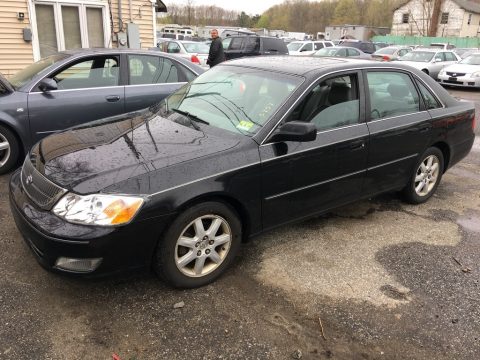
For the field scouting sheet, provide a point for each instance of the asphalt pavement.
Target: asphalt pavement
(378, 279)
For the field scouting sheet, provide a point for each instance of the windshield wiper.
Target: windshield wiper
(191, 117)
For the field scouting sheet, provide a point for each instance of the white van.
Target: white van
(307, 47)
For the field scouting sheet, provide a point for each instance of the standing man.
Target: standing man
(215, 55)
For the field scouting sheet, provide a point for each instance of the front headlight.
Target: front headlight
(475, 74)
(442, 72)
(98, 209)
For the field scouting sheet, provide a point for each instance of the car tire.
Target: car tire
(199, 246)
(9, 150)
(426, 177)
(426, 71)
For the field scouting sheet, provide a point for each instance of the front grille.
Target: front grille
(42, 191)
(453, 82)
(453, 74)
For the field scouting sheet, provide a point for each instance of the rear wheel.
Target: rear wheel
(427, 176)
(9, 150)
(199, 245)
(425, 71)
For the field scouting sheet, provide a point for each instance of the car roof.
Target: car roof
(308, 65)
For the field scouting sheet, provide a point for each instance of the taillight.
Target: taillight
(195, 59)
(386, 58)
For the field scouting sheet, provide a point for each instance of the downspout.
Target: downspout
(120, 21)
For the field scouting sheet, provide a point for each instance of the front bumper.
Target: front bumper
(462, 81)
(122, 248)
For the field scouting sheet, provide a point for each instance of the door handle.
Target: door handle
(112, 98)
(357, 145)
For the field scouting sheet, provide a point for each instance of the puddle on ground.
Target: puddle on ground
(470, 221)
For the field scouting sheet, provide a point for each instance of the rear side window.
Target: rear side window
(251, 44)
(352, 52)
(318, 46)
(145, 69)
(327, 44)
(430, 101)
(450, 57)
(274, 45)
(236, 44)
(391, 94)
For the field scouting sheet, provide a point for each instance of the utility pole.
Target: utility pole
(432, 29)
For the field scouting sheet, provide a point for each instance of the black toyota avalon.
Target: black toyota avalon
(247, 146)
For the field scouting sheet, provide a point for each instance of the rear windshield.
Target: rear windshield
(386, 51)
(199, 48)
(24, 76)
(294, 46)
(420, 56)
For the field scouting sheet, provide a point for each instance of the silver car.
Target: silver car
(430, 61)
(196, 52)
(464, 73)
(342, 51)
(390, 53)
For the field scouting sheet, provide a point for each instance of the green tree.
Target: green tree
(346, 12)
(263, 22)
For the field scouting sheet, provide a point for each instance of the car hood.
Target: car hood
(92, 158)
(6, 84)
(462, 68)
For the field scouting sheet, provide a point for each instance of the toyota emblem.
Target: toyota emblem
(29, 179)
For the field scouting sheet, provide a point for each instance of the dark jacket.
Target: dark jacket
(216, 54)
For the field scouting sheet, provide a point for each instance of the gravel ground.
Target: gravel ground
(377, 279)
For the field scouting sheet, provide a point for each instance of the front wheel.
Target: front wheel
(9, 150)
(427, 176)
(199, 246)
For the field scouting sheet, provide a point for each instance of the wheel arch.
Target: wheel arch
(445, 149)
(15, 132)
(227, 199)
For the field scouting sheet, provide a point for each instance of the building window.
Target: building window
(469, 19)
(62, 25)
(444, 19)
(405, 18)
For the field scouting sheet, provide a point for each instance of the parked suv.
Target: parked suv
(307, 47)
(366, 46)
(252, 45)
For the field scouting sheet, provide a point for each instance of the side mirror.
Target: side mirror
(295, 131)
(47, 85)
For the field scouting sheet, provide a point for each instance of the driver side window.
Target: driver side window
(330, 104)
(97, 72)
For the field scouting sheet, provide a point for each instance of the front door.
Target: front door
(88, 89)
(301, 178)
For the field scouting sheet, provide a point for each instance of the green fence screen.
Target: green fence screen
(472, 42)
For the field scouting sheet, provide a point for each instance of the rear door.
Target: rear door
(88, 89)
(151, 78)
(400, 129)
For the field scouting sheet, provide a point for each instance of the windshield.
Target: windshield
(420, 56)
(386, 51)
(294, 46)
(27, 74)
(326, 52)
(236, 99)
(471, 60)
(198, 48)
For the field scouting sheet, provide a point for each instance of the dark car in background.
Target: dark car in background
(252, 45)
(75, 87)
(366, 46)
(248, 146)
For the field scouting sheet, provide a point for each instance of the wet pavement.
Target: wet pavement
(378, 279)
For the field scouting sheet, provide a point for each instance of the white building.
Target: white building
(458, 18)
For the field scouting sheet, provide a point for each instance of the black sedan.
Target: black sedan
(74, 87)
(249, 145)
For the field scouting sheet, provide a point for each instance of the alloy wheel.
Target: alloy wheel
(4, 150)
(427, 175)
(203, 245)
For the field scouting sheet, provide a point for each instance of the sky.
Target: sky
(251, 7)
